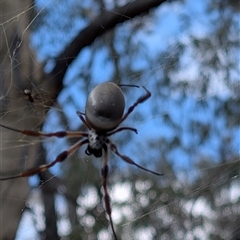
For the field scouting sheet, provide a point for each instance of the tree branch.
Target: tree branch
(104, 22)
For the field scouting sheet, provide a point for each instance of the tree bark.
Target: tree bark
(19, 66)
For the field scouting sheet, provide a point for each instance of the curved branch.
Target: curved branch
(104, 22)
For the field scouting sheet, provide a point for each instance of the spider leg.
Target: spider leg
(80, 114)
(139, 100)
(122, 129)
(128, 159)
(60, 158)
(104, 183)
(58, 134)
(128, 85)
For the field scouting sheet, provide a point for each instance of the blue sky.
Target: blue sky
(162, 33)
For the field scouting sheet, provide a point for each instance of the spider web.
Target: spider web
(179, 128)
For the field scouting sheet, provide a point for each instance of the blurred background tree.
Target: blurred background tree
(187, 55)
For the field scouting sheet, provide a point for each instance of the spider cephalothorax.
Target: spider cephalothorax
(96, 141)
(104, 113)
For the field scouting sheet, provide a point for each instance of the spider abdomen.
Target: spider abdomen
(105, 106)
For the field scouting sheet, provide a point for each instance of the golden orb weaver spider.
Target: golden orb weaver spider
(103, 115)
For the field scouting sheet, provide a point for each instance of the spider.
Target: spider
(29, 95)
(104, 112)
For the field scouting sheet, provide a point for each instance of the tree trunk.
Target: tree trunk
(18, 66)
